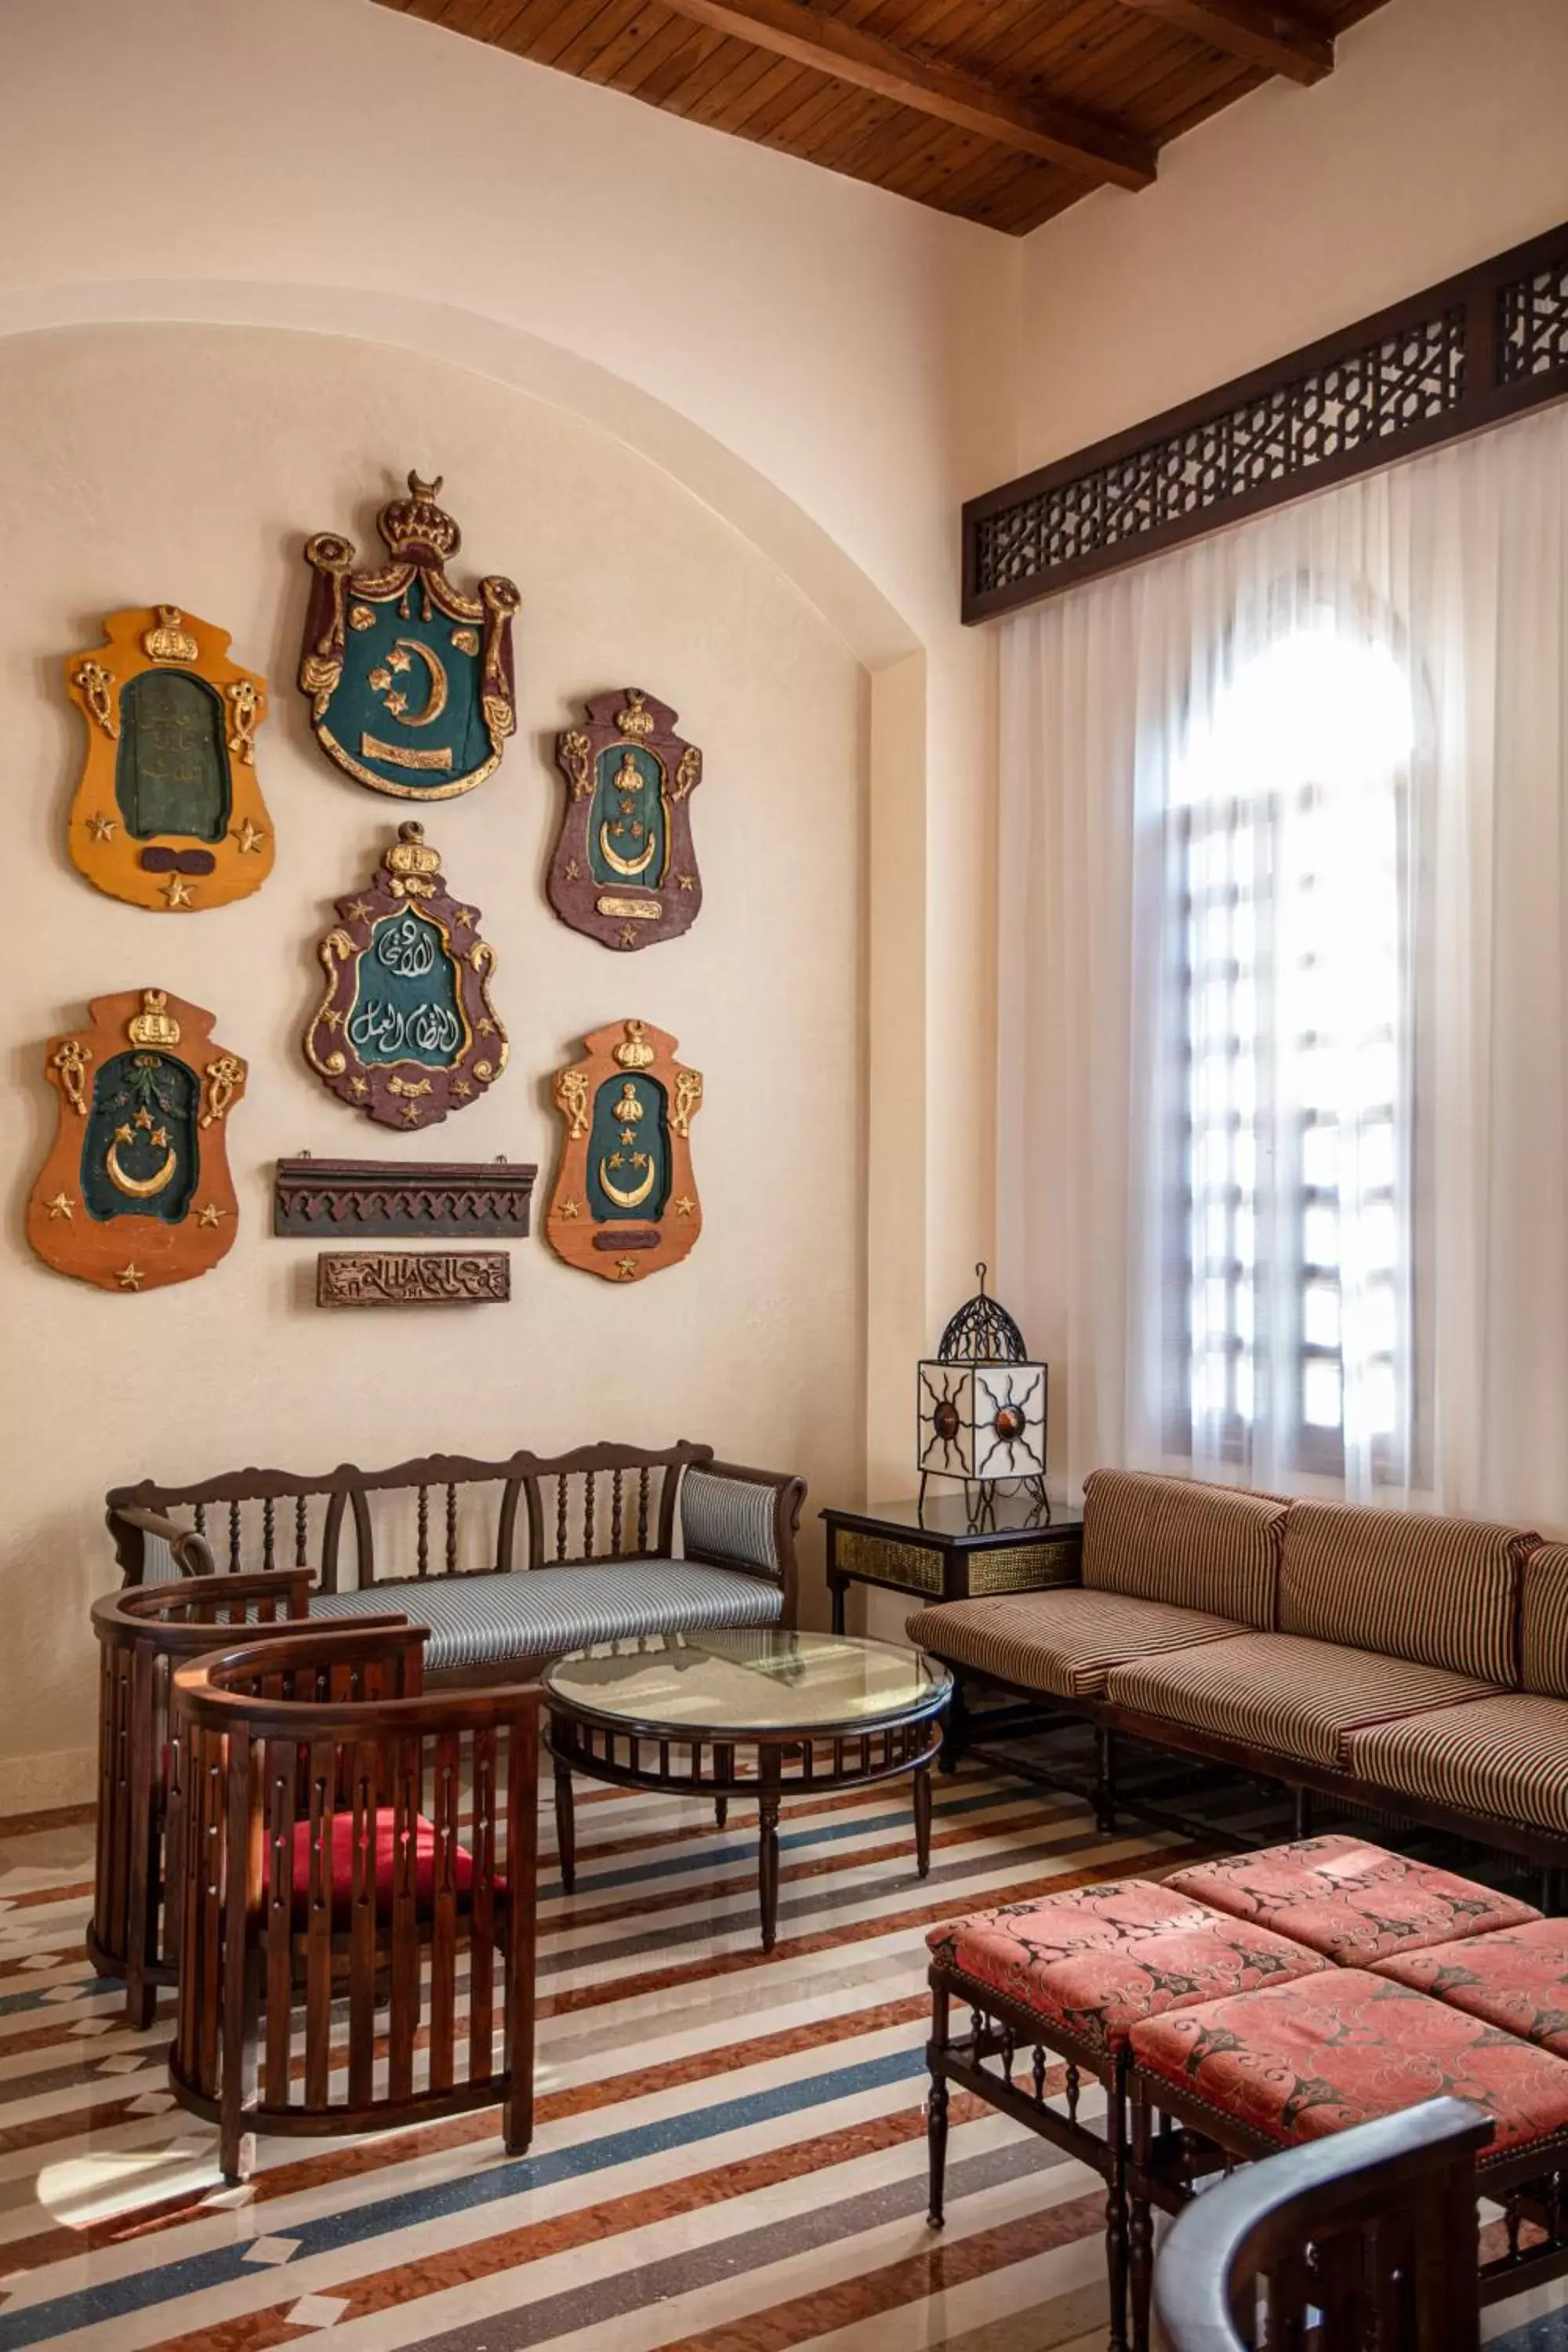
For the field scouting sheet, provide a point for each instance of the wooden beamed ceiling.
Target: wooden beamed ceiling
(1005, 112)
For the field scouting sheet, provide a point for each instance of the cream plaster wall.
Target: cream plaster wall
(826, 365)
(184, 463)
(822, 366)
(1439, 141)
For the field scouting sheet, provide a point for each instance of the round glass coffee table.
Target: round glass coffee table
(690, 1713)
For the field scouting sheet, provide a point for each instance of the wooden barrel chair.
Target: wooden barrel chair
(357, 1856)
(141, 1634)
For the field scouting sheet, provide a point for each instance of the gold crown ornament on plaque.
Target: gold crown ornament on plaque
(405, 1030)
(168, 811)
(626, 1203)
(410, 680)
(136, 1191)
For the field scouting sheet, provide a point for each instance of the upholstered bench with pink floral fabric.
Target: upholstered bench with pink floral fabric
(1058, 1989)
(1407, 1663)
(1236, 2079)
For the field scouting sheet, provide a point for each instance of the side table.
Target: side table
(934, 1554)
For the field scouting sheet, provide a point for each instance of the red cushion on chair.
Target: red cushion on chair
(1298, 2062)
(383, 1850)
(1353, 1901)
(1516, 1980)
(1095, 1961)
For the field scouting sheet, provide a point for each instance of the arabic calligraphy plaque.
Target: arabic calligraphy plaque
(136, 1191)
(410, 680)
(413, 1278)
(624, 870)
(625, 1202)
(405, 1030)
(168, 811)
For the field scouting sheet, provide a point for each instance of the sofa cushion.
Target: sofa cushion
(1170, 1539)
(1443, 1592)
(1543, 1663)
(1063, 1640)
(1298, 2062)
(1094, 1972)
(1354, 1902)
(1506, 1757)
(1516, 1981)
(541, 1612)
(1274, 1691)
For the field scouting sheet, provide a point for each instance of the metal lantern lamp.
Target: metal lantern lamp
(982, 1411)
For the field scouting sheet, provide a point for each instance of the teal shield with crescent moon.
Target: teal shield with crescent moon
(405, 1005)
(627, 833)
(139, 1156)
(408, 707)
(628, 1151)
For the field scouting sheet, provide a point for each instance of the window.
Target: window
(1290, 1097)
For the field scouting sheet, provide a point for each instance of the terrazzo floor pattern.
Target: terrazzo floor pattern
(730, 2153)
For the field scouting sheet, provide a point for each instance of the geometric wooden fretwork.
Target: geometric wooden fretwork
(328, 1199)
(1471, 352)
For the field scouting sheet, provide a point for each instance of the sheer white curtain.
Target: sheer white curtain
(1283, 1085)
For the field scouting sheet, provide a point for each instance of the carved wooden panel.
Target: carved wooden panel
(626, 1202)
(413, 1278)
(624, 869)
(1468, 353)
(168, 811)
(405, 1030)
(410, 680)
(314, 1198)
(136, 1192)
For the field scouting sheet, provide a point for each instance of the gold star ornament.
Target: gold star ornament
(101, 827)
(249, 837)
(211, 1215)
(178, 891)
(131, 1277)
(62, 1206)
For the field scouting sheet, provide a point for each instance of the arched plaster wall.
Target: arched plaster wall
(821, 364)
(758, 1340)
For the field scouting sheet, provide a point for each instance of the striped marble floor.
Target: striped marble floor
(730, 2155)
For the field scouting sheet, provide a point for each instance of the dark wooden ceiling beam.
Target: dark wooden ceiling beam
(1098, 150)
(1260, 35)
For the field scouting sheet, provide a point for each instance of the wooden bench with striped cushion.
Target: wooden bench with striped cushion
(508, 1563)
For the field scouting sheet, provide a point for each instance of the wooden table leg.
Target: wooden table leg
(768, 1767)
(566, 1826)
(922, 1817)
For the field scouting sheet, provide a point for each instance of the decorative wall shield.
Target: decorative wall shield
(136, 1191)
(410, 681)
(168, 813)
(625, 1202)
(406, 1030)
(623, 868)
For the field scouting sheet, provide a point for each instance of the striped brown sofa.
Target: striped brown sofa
(1414, 1666)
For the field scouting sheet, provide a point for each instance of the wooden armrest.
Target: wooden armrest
(131, 1525)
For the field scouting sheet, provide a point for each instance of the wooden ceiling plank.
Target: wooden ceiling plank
(755, 115)
(541, 27)
(592, 55)
(708, 81)
(1099, 151)
(730, 96)
(665, 60)
(1262, 35)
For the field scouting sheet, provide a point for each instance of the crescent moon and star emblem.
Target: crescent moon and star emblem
(639, 1192)
(404, 653)
(141, 1187)
(627, 865)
